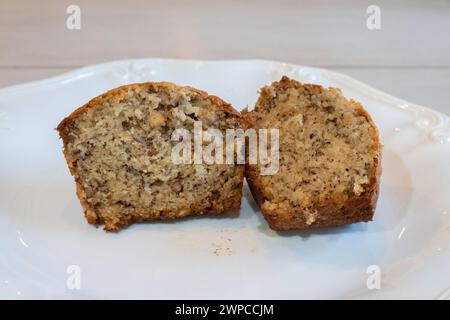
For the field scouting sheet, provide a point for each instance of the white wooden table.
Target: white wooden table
(408, 57)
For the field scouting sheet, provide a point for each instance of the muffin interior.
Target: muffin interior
(120, 154)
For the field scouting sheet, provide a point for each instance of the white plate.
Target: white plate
(43, 231)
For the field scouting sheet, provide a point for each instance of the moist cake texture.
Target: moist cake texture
(330, 157)
(118, 148)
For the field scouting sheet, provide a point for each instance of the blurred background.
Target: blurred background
(407, 54)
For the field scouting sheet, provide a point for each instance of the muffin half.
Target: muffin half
(330, 157)
(119, 148)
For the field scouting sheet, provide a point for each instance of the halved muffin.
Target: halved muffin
(330, 157)
(119, 148)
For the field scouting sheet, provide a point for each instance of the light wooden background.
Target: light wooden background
(409, 57)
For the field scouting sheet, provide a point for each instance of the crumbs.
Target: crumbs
(223, 246)
(218, 243)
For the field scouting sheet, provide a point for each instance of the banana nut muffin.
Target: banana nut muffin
(330, 157)
(118, 148)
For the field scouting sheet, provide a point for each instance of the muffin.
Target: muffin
(119, 148)
(329, 157)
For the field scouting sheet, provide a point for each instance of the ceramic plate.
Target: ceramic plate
(47, 250)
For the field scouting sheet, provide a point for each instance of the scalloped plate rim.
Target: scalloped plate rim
(79, 72)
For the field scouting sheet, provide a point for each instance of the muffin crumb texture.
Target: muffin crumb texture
(118, 148)
(330, 157)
